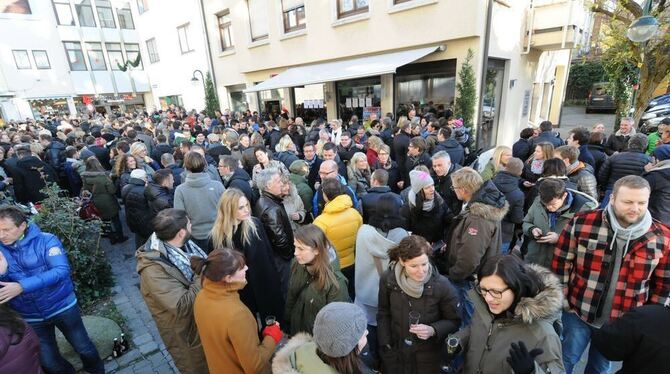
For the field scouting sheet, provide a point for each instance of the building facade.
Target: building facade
(174, 41)
(337, 58)
(69, 56)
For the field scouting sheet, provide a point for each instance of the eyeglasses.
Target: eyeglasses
(496, 294)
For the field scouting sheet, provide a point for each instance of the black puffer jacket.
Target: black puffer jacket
(521, 149)
(270, 211)
(659, 180)
(617, 143)
(429, 224)
(508, 184)
(620, 165)
(453, 148)
(158, 197)
(29, 178)
(54, 155)
(598, 152)
(159, 150)
(242, 181)
(413, 161)
(438, 307)
(138, 214)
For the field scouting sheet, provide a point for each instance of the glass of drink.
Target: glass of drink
(414, 317)
(270, 320)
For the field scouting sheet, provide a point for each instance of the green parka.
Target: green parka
(103, 190)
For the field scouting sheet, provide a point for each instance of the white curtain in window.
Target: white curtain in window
(258, 18)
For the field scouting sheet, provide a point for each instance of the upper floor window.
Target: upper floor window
(96, 58)
(125, 17)
(105, 14)
(84, 13)
(258, 19)
(75, 56)
(293, 15)
(115, 55)
(21, 59)
(142, 6)
(63, 12)
(225, 33)
(41, 59)
(153, 51)
(182, 32)
(346, 8)
(133, 54)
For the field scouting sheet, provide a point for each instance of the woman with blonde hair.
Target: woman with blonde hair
(315, 279)
(374, 143)
(286, 151)
(533, 168)
(358, 174)
(501, 155)
(139, 150)
(236, 228)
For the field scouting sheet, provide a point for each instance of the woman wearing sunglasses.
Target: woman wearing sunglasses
(512, 328)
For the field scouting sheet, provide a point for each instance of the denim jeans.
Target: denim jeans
(467, 308)
(606, 199)
(70, 324)
(576, 336)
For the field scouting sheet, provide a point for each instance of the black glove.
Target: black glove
(522, 361)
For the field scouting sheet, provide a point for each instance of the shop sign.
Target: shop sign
(368, 110)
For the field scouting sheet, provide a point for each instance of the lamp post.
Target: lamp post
(195, 79)
(640, 31)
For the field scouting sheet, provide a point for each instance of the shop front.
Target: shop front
(166, 101)
(426, 87)
(104, 104)
(359, 97)
(310, 102)
(42, 108)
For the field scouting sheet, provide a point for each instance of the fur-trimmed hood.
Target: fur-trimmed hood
(287, 362)
(545, 305)
(489, 203)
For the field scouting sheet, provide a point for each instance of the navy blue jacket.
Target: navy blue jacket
(370, 200)
(521, 149)
(453, 148)
(545, 136)
(241, 180)
(38, 262)
(586, 156)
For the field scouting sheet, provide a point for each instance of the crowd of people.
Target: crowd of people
(385, 245)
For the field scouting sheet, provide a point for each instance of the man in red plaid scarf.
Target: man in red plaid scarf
(610, 261)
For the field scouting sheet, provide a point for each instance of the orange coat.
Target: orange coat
(229, 332)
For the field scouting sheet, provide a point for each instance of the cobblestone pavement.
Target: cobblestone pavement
(148, 354)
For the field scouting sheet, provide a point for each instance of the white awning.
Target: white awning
(343, 69)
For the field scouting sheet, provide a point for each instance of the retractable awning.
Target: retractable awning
(343, 69)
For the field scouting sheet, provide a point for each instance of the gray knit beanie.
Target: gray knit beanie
(419, 179)
(338, 327)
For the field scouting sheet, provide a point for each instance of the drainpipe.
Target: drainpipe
(210, 61)
(485, 60)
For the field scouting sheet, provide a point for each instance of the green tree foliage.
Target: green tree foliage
(467, 91)
(623, 57)
(91, 272)
(211, 98)
(582, 77)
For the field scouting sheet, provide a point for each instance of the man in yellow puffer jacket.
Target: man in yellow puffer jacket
(340, 222)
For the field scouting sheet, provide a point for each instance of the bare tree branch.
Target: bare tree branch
(616, 16)
(634, 8)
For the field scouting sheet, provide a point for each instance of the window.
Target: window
(115, 55)
(84, 13)
(133, 54)
(182, 31)
(96, 57)
(125, 17)
(293, 14)
(346, 8)
(105, 14)
(63, 12)
(153, 51)
(142, 6)
(21, 59)
(258, 19)
(41, 60)
(400, 1)
(75, 56)
(225, 34)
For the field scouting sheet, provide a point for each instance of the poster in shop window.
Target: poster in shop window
(371, 110)
(354, 102)
(348, 102)
(368, 101)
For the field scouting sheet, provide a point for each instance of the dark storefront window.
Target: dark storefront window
(427, 87)
(488, 131)
(360, 97)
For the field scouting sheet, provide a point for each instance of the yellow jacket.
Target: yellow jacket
(229, 332)
(341, 222)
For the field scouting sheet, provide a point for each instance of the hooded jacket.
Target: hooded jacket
(453, 148)
(54, 155)
(659, 200)
(475, 233)
(199, 196)
(599, 156)
(104, 193)
(486, 342)
(38, 262)
(584, 178)
(138, 212)
(241, 180)
(370, 200)
(29, 178)
(158, 198)
(508, 184)
(170, 298)
(20, 356)
(538, 217)
(372, 259)
(340, 222)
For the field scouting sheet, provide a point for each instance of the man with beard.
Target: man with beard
(610, 261)
(169, 287)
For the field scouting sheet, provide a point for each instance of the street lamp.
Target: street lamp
(642, 29)
(195, 79)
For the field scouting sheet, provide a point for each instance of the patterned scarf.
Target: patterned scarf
(179, 257)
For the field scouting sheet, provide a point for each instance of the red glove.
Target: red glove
(274, 332)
